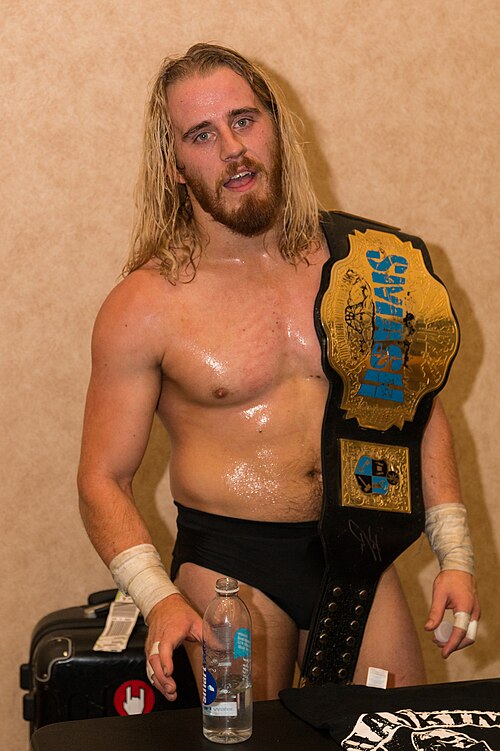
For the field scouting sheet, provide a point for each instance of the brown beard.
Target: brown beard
(254, 215)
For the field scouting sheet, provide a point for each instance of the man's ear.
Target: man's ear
(179, 175)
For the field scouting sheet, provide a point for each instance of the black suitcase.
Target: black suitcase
(66, 680)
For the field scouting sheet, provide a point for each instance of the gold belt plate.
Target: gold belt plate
(390, 329)
(375, 476)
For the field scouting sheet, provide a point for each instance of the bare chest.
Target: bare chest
(236, 340)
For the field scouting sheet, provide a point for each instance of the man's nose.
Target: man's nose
(231, 145)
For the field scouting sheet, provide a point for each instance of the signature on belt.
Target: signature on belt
(366, 539)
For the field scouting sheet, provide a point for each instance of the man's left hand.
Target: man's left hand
(456, 591)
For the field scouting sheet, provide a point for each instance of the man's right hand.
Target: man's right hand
(170, 622)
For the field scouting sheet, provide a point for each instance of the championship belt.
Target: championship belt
(388, 336)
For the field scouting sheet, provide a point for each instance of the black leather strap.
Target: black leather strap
(359, 543)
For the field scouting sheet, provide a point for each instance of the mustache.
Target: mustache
(238, 166)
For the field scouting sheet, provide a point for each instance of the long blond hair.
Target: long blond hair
(164, 227)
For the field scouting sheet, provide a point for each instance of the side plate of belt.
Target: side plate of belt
(388, 336)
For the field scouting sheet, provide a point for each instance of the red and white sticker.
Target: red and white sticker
(134, 697)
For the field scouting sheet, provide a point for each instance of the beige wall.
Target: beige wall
(398, 103)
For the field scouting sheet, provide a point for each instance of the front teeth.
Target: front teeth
(240, 174)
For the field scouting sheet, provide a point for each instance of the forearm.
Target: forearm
(446, 517)
(122, 539)
(110, 516)
(440, 481)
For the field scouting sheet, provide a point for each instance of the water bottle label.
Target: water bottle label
(209, 687)
(222, 709)
(242, 643)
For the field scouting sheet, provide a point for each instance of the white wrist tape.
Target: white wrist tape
(139, 572)
(448, 533)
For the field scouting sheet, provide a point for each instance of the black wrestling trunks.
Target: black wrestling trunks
(284, 560)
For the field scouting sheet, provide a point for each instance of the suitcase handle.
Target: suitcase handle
(103, 596)
(99, 603)
(95, 611)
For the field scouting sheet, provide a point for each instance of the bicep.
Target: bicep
(123, 393)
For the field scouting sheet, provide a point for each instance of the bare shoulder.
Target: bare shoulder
(141, 290)
(132, 316)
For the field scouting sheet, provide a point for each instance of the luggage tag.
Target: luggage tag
(120, 623)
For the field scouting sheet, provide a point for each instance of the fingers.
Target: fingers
(453, 590)
(471, 632)
(436, 613)
(160, 672)
(456, 641)
(170, 622)
(452, 637)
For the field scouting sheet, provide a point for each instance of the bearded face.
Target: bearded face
(257, 211)
(227, 151)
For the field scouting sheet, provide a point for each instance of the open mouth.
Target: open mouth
(241, 180)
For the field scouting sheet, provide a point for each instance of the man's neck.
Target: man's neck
(221, 243)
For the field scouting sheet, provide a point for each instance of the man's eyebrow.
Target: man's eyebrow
(231, 114)
(244, 111)
(199, 126)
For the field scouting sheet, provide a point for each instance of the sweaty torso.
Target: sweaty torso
(243, 391)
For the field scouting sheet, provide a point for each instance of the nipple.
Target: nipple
(220, 393)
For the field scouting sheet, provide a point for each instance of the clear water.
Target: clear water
(229, 718)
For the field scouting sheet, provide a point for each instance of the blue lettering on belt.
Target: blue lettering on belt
(383, 379)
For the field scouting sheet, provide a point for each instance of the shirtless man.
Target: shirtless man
(212, 328)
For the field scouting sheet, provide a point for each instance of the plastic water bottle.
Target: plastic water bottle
(227, 666)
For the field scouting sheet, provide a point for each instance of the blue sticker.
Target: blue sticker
(242, 643)
(209, 687)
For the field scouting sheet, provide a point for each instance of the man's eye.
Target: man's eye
(242, 122)
(202, 137)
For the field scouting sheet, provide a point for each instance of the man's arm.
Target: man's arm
(453, 588)
(123, 393)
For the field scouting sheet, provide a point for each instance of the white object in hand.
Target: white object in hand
(443, 631)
